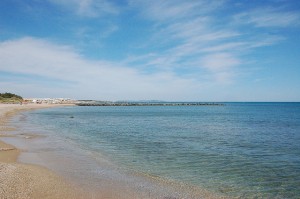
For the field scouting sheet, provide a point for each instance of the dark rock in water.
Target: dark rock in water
(72, 117)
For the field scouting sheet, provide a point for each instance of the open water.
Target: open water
(247, 150)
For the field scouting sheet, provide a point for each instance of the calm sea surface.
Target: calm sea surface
(241, 149)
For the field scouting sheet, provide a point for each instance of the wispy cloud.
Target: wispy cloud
(172, 10)
(187, 30)
(268, 17)
(220, 62)
(109, 30)
(30, 56)
(221, 65)
(190, 34)
(88, 8)
(86, 36)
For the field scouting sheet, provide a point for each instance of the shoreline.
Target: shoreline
(19, 180)
(26, 180)
(67, 188)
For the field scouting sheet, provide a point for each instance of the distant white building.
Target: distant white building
(49, 100)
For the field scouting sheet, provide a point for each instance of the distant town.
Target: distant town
(10, 98)
(111, 103)
(49, 101)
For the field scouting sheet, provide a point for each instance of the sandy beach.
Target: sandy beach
(21, 181)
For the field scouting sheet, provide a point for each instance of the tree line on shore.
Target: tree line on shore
(10, 98)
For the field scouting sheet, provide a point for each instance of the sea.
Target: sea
(238, 150)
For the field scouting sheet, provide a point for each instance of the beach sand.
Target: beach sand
(22, 181)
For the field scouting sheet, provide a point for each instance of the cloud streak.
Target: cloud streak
(173, 10)
(268, 17)
(88, 8)
(190, 35)
(90, 79)
(188, 30)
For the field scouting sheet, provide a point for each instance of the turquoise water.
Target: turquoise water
(245, 150)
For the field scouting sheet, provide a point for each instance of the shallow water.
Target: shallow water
(239, 150)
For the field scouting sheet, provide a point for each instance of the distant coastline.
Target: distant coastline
(107, 103)
(115, 103)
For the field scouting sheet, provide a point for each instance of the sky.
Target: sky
(172, 50)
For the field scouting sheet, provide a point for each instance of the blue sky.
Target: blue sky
(175, 50)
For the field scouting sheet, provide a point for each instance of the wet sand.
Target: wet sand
(22, 181)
